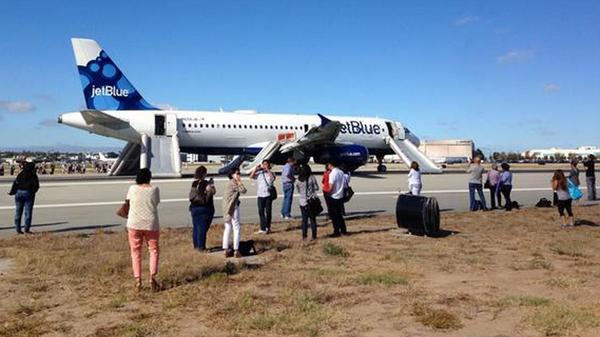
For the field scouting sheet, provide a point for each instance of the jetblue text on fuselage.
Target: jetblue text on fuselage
(109, 91)
(356, 127)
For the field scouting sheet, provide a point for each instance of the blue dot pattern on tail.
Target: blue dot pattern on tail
(106, 88)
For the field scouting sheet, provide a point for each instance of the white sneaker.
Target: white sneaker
(260, 231)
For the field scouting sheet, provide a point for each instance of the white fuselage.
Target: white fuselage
(238, 132)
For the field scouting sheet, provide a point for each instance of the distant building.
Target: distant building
(555, 153)
(443, 151)
(448, 150)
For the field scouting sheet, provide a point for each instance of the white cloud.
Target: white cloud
(17, 106)
(516, 56)
(551, 87)
(465, 20)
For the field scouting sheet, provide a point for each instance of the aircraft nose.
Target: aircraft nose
(59, 119)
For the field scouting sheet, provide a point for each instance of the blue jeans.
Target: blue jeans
(23, 202)
(201, 220)
(479, 188)
(305, 219)
(288, 195)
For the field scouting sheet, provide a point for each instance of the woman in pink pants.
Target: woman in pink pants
(142, 224)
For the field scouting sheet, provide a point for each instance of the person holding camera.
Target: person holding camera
(307, 187)
(265, 193)
(231, 212)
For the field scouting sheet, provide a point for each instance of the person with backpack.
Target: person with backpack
(231, 212)
(307, 187)
(24, 188)
(202, 207)
(564, 202)
(505, 186)
(414, 179)
(590, 176)
(143, 224)
(265, 193)
(337, 185)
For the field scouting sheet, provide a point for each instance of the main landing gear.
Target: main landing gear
(380, 168)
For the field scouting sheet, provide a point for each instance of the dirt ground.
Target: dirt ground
(490, 274)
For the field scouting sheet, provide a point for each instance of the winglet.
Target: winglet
(324, 120)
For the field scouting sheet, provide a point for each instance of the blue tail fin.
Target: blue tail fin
(104, 85)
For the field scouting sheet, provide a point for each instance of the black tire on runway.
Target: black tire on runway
(420, 215)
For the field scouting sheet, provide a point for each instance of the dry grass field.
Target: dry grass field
(499, 274)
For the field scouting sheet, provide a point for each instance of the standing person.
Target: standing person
(287, 181)
(414, 179)
(202, 207)
(1, 168)
(476, 172)
(12, 169)
(590, 177)
(336, 201)
(560, 187)
(264, 180)
(574, 173)
(505, 185)
(231, 212)
(307, 187)
(143, 224)
(492, 181)
(24, 188)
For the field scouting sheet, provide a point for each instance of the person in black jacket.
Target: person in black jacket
(590, 177)
(24, 189)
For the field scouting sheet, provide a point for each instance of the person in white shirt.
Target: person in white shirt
(337, 184)
(264, 181)
(414, 179)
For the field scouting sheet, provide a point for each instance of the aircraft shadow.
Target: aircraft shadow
(37, 225)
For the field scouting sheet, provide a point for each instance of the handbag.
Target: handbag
(314, 204)
(348, 193)
(574, 191)
(487, 184)
(123, 211)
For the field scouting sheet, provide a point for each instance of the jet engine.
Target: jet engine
(347, 156)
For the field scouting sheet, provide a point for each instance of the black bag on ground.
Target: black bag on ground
(515, 205)
(247, 248)
(544, 203)
(418, 214)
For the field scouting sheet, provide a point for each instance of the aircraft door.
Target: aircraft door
(171, 124)
(159, 125)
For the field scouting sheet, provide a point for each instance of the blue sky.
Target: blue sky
(509, 74)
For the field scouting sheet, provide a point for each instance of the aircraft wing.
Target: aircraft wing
(98, 117)
(324, 134)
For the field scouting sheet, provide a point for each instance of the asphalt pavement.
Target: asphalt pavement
(84, 205)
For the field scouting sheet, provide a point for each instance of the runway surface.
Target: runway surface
(88, 205)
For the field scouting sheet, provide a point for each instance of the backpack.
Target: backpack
(544, 203)
(198, 195)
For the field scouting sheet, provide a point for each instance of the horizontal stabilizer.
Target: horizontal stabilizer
(101, 118)
(409, 153)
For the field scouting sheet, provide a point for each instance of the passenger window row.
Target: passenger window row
(239, 126)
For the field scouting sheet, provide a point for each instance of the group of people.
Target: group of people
(143, 198)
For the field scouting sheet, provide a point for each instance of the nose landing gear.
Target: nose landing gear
(380, 168)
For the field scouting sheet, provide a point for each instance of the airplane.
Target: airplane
(155, 138)
(106, 160)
